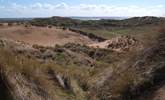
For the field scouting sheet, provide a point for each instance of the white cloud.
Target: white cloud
(61, 6)
(63, 9)
(47, 6)
(36, 6)
(87, 7)
(160, 6)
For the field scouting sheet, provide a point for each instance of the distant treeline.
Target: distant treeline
(68, 22)
(15, 20)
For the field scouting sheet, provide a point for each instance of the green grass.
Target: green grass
(113, 32)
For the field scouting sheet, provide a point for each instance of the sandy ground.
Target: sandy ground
(159, 94)
(42, 35)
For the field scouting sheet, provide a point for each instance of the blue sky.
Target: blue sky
(46, 8)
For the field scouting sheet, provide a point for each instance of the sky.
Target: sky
(85, 8)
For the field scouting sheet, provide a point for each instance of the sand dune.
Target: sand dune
(42, 35)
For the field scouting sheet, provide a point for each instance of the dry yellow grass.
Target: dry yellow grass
(42, 35)
(35, 70)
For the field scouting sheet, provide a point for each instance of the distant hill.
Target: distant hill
(98, 18)
(14, 19)
(76, 22)
(55, 21)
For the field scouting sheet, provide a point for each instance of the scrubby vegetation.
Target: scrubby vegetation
(104, 28)
(36, 72)
(82, 72)
(68, 22)
(71, 66)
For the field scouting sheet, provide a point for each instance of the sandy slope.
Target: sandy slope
(159, 94)
(42, 36)
(121, 43)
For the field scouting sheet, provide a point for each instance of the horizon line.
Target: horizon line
(82, 16)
